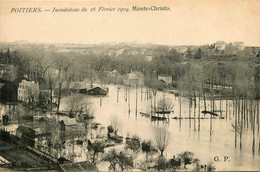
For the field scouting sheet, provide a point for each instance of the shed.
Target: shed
(97, 91)
(26, 132)
(27, 135)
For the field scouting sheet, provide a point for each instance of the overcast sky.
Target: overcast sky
(190, 22)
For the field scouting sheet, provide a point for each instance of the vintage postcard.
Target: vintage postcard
(130, 85)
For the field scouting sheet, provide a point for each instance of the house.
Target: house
(75, 87)
(220, 45)
(166, 78)
(134, 79)
(8, 91)
(26, 134)
(68, 123)
(24, 131)
(149, 58)
(239, 45)
(95, 91)
(28, 91)
(112, 76)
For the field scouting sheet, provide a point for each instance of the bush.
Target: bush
(133, 144)
(110, 129)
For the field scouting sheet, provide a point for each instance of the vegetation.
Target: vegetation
(133, 143)
(118, 160)
(162, 139)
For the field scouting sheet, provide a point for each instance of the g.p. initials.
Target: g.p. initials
(224, 158)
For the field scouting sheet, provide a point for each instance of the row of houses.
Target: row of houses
(221, 45)
(29, 91)
(135, 78)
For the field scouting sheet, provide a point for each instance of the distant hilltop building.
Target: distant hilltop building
(181, 49)
(239, 45)
(28, 91)
(149, 58)
(220, 45)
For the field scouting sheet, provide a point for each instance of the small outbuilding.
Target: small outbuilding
(26, 134)
(96, 91)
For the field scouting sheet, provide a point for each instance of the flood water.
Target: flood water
(183, 135)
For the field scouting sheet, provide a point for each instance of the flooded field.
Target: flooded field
(184, 134)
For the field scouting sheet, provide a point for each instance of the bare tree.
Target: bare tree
(162, 138)
(33, 93)
(51, 80)
(63, 65)
(96, 147)
(165, 105)
(111, 157)
(79, 108)
(115, 124)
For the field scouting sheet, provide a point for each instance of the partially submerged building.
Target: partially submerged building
(134, 79)
(165, 78)
(28, 91)
(95, 91)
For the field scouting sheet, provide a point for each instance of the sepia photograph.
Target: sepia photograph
(126, 85)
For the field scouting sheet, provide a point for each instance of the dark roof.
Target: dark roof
(164, 75)
(25, 130)
(78, 166)
(94, 88)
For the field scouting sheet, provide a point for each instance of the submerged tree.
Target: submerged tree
(165, 105)
(162, 139)
(120, 160)
(125, 162)
(148, 148)
(186, 157)
(133, 144)
(96, 148)
(111, 157)
(115, 124)
(79, 107)
(161, 163)
(65, 74)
